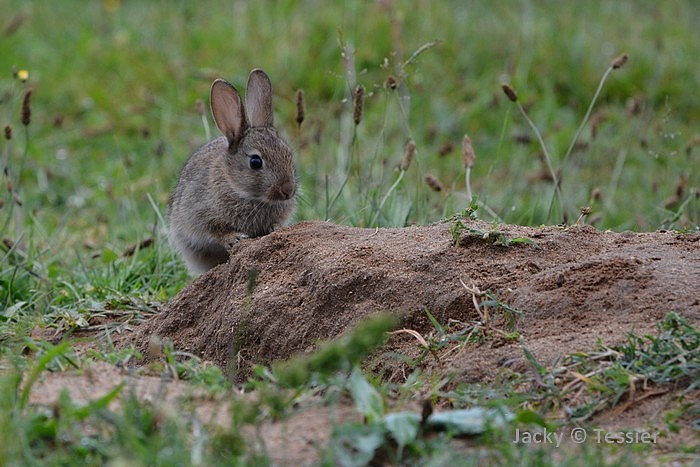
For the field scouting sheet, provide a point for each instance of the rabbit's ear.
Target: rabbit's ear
(258, 99)
(228, 111)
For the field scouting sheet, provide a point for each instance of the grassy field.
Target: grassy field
(91, 156)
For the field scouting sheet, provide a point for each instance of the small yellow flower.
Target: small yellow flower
(23, 75)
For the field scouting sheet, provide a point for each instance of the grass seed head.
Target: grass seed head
(8, 242)
(619, 61)
(468, 152)
(8, 132)
(510, 92)
(433, 182)
(596, 120)
(408, 154)
(27, 107)
(585, 211)
(358, 102)
(681, 185)
(635, 105)
(445, 149)
(301, 107)
(199, 106)
(692, 143)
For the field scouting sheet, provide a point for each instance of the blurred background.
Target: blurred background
(118, 89)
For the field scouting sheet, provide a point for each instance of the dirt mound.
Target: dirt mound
(280, 294)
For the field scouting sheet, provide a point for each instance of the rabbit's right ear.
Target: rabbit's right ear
(258, 99)
(229, 113)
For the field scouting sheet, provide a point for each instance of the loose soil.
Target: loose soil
(281, 294)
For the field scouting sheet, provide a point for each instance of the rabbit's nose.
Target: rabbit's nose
(287, 189)
(282, 192)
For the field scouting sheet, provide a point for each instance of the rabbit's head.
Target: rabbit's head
(259, 161)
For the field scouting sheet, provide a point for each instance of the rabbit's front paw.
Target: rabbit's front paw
(232, 239)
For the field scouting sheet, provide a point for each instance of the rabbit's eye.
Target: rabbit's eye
(256, 162)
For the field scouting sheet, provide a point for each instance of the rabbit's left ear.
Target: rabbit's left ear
(227, 108)
(258, 99)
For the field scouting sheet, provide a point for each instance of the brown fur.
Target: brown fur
(219, 198)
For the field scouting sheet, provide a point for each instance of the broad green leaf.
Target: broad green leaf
(472, 421)
(355, 444)
(403, 426)
(367, 399)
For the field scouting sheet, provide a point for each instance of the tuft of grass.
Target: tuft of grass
(493, 236)
(583, 384)
(333, 356)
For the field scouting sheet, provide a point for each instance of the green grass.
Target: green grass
(113, 118)
(552, 398)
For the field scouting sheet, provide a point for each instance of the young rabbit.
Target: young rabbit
(242, 184)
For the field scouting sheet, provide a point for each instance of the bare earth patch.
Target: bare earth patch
(281, 294)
